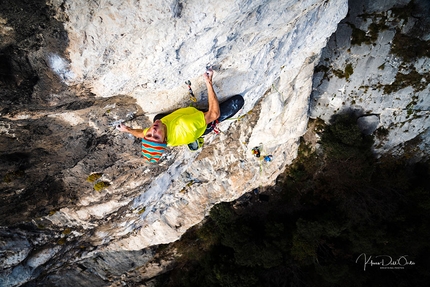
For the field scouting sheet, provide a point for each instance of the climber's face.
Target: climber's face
(157, 132)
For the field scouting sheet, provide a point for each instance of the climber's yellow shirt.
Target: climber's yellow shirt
(184, 126)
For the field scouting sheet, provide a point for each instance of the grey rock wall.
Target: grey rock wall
(378, 65)
(89, 211)
(79, 207)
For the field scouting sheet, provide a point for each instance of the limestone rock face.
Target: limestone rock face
(377, 64)
(89, 209)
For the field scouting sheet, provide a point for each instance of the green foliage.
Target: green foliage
(13, 175)
(222, 214)
(358, 36)
(304, 247)
(381, 133)
(333, 273)
(67, 231)
(339, 73)
(411, 79)
(374, 29)
(404, 12)
(61, 241)
(349, 70)
(94, 176)
(299, 175)
(334, 206)
(409, 48)
(344, 132)
(348, 153)
(99, 186)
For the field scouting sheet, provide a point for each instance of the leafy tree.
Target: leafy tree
(333, 206)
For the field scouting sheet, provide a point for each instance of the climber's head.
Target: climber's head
(157, 132)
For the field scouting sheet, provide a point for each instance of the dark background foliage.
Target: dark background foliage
(329, 208)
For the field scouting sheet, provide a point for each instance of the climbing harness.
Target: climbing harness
(214, 126)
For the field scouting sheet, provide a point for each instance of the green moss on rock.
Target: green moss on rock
(348, 70)
(99, 186)
(13, 175)
(346, 73)
(94, 176)
(358, 36)
(67, 231)
(414, 79)
(409, 48)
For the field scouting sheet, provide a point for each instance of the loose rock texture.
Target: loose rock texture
(377, 64)
(76, 68)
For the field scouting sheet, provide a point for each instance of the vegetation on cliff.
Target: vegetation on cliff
(334, 210)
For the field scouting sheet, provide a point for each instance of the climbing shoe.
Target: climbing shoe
(195, 145)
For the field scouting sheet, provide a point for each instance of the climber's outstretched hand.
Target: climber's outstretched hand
(122, 128)
(208, 75)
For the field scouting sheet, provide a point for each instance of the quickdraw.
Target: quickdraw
(214, 126)
(256, 151)
(190, 91)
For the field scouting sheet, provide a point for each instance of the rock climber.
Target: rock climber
(180, 127)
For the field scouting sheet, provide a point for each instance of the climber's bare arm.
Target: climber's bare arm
(213, 113)
(135, 132)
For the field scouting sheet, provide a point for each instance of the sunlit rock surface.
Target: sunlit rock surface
(86, 209)
(377, 64)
